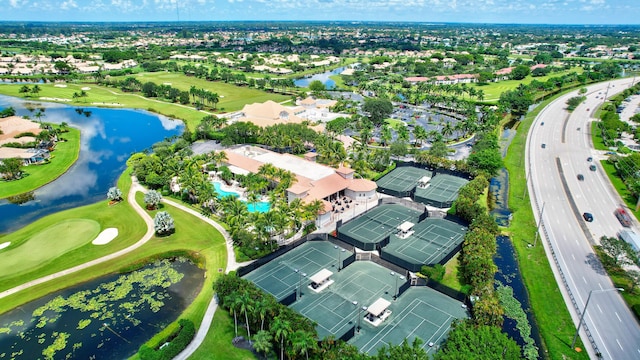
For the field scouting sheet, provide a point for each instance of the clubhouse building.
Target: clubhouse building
(336, 188)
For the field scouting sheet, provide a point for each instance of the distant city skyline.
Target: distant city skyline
(465, 11)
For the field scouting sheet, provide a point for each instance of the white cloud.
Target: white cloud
(67, 5)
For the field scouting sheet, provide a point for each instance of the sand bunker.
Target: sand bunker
(86, 88)
(60, 85)
(105, 236)
(5, 244)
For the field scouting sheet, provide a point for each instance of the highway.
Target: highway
(557, 194)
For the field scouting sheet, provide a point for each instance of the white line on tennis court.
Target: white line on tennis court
(409, 310)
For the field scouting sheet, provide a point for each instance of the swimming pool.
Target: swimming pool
(223, 193)
(261, 207)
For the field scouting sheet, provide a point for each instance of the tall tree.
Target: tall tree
(281, 329)
(378, 110)
(11, 168)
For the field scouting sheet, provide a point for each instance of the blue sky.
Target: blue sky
(474, 11)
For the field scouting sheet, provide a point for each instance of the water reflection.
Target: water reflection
(108, 138)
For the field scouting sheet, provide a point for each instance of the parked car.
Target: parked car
(587, 217)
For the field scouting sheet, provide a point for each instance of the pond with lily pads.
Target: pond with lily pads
(107, 318)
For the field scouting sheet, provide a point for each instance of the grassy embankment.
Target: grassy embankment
(65, 154)
(551, 313)
(631, 294)
(493, 90)
(232, 98)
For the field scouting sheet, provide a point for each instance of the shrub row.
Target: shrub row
(177, 342)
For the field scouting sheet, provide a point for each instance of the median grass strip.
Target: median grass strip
(65, 154)
(551, 313)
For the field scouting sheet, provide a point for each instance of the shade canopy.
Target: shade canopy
(378, 307)
(405, 226)
(321, 276)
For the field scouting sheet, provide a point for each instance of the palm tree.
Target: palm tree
(420, 134)
(233, 301)
(262, 308)
(246, 306)
(281, 329)
(35, 89)
(303, 341)
(262, 342)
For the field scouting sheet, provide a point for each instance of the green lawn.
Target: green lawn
(550, 310)
(493, 90)
(41, 248)
(193, 236)
(109, 97)
(232, 97)
(65, 154)
(121, 216)
(217, 344)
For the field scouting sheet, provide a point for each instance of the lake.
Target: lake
(108, 138)
(106, 318)
(323, 77)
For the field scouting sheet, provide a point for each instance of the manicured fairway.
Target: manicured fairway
(47, 245)
(492, 91)
(232, 97)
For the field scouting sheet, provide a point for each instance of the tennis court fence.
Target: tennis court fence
(281, 250)
(406, 203)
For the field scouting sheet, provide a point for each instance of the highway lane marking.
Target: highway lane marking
(618, 316)
(585, 280)
(599, 308)
(619, 344)
(577, 241)
(574, 258)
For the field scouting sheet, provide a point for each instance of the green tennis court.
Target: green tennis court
(376, 225)
(333, 313)
(433, 240)
(420, 312)
(279, 277)
(401, 181)
(334, 310)
(338, 309)
(441, 192)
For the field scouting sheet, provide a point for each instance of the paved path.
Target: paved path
(232, 264)
(131, 198)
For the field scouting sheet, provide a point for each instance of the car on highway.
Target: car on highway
(587, 217)
(580, 177)
(589, 158)
(544, 146)
(622, 216)
(542, 123)
(592, 167)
